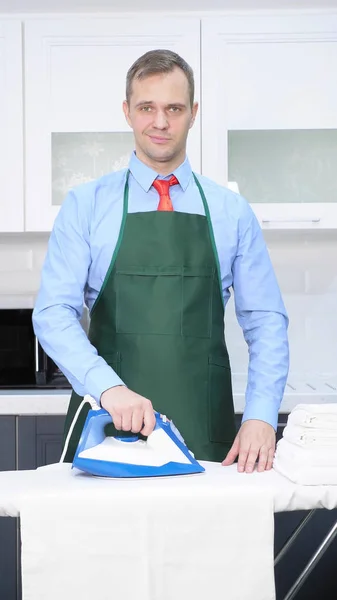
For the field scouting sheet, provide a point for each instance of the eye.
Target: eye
(175, 109)
(145, 108)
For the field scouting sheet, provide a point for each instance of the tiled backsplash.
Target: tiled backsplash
(306, 267)
(21, 259)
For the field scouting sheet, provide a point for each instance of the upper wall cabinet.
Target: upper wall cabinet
(75, 70)
(11, 123)
(269, 100)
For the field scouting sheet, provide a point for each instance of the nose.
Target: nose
(160, 120)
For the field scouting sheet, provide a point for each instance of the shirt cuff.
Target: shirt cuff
(99, 379)
(262, 411)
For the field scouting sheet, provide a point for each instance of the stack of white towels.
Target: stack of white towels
(307, 453)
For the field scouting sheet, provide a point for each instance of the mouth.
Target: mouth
(157, 139)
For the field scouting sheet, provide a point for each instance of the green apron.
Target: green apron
(158, 321)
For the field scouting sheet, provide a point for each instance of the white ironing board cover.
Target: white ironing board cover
(181, 537)
(159, 539)
(286, 496)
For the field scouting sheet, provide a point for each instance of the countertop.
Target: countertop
(55, 402)
(34, 402)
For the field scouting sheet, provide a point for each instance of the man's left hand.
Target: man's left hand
(255, 441)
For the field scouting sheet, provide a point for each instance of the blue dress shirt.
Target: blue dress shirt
(79, 253)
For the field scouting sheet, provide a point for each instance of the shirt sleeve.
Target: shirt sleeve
(261, 314)
(59, 304)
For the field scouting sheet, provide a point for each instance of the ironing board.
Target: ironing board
(286, 496)
(314, 560)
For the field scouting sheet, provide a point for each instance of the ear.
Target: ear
(126, 111)
(194, 113)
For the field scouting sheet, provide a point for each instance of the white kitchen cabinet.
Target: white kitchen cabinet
(269, 113)
(75, 70)
(11, 123)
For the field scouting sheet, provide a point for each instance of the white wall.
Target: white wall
(306, 267)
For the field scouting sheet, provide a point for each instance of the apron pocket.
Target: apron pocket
(197, 301)
(113, 359)
(220, 400)
(149, 300)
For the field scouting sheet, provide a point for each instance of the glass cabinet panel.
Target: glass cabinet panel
(81, 157)
(284, 166)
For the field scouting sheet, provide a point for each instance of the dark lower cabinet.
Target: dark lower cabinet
(39, 441)
(8, 527)
(9, 574)
(7, 443)
(31, 442)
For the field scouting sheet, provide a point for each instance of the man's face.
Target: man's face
(160, 114)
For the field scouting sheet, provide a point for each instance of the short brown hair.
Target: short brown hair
(155, 62)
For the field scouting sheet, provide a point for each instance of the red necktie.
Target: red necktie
(162, 186)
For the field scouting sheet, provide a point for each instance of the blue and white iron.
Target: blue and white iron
(163, 454)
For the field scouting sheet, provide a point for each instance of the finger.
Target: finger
(126, 420)
(149, 421)
(243, 455)
(137, 420)
(270, 459)
(232, 454)
(117, 420)
(263, 459)
(251, 459)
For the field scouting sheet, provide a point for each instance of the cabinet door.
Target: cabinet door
(8, 526)
(269, 121)
(39, 441)
(75, 86)
(11, 123)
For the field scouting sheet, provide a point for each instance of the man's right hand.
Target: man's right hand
(129, 411)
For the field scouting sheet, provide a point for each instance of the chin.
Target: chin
(163, 156)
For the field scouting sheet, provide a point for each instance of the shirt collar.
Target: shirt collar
(145, 176)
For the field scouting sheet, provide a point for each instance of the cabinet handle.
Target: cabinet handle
(37, 365)
(315, 220)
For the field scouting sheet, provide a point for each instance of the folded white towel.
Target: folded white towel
(305, 474)
(314, 416)
(310, 437)
(306, 455)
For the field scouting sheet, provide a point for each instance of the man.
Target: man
(155, 249)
